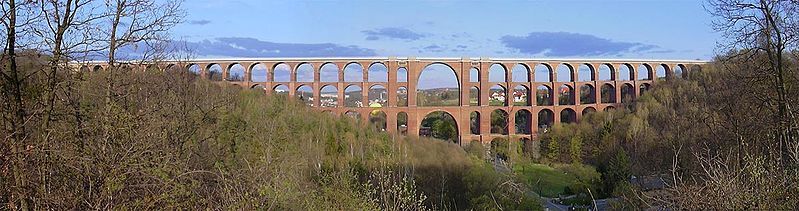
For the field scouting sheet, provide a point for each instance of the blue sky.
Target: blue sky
(641, 29)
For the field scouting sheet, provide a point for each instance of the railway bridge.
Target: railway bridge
(523, 96)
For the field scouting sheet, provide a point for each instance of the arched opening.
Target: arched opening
(402, 123)
(440, 125)
(499, 149)
(523, 122)
(606, 72)
(402, 75)
(328, 96)
(378, 96)
(497, 73)
(588, 110)
(474, 75)
(609, 109)
(520, 73)
(543, 95)
(378, 72)
(258, 87)
(545, 119)
(608, 93)
(474, 122)
(543, 73)
(565, 73)
(566, 95)
(305, 73)
(236, 72)
(587, 94)
(660, 71)
(585, 73)
(258, 73)
(100, 68)
(499, 122)
(328, 73)
(305, 94)
(281, 73)
(281, 89)
(626, 72)
(521, 96)
(497, 96)
(354, 115)
(353, 96)
(568, 116)
(402, 97)
(627, 93)
(679, 71)
(644, 72)
(194, 69)
(377, 119)
(695, 69)
(353, 72)
(643, 88)
(474, 96)
(215, 72)
(438, 86)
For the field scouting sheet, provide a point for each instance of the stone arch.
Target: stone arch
(497, 73)
(568, 115)
(402, 96)
(378, 72)
(644, 72)
(329, 73)
(281, 72)
(353, 72)
(626, 72)
(474, 96)
(546, 118)
(97, 68)
(474, 122)
(661, 71)
(498, 96)
(215, 72)
(565, 73)
(304, 73)
(643, 88)
(280, 89)
(543, 73)
(447, 129)
(523, 122)
(543, 95)
(588, 110)
(609, 108)
(259, 87)
(84, 69)
(585, 72)
(608, 93)
(328, 96)
(606, 73)
(378, 96)
(353, 114)
(259, 73)
(521, 96)
(587, 94)
(499, 122)
(520, 73)
(402, 123)
(236, 72)
(194, 69)
(474, 75)
(377, 119)
(402, 75)
(679, 71)
(438, 85)
(304, 94)
(353, 96)
(627, 93)
(566, 95)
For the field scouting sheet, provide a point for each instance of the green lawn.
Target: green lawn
(545, 180)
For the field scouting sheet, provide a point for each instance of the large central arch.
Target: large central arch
(438, 85)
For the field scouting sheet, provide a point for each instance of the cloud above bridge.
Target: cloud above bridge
(392, 33)
(251, 47)
(565, 44)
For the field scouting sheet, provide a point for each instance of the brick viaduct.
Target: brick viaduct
(590, 85)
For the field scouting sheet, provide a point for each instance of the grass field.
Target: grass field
(545, 180)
